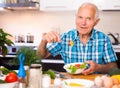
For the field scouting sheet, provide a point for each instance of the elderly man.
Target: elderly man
(82, 44)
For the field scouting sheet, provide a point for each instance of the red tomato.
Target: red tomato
(77, 65)
(11, 77)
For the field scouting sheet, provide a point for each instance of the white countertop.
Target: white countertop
(116, 48)
(52, 61)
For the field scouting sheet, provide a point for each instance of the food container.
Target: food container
(35, 76)
(24, 38)
(30, 38)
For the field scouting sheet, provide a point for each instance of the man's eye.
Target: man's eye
(80, 17)
(89, 18)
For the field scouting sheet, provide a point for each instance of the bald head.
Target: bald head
(92, 7)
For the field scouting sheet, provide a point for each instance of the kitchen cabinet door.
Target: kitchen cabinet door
(76, 4)
(55, 5)
(60, 5)
(63, 5)
(98, 3)
(111, 5)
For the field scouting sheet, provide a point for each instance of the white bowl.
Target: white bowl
(69, 68)
(77, 83)
(9, 85)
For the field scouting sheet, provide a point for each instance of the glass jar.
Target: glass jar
(57, 81)
(46, 81)
(35, 76)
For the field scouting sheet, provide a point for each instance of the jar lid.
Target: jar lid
(35, 66)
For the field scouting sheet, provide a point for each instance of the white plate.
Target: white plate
(86, 83)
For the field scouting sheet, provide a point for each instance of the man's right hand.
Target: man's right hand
(51, 36)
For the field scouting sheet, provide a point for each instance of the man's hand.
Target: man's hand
(93, 68)
(51, 36)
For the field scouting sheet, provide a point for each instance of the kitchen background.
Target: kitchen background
(38, 22)
(58, 15)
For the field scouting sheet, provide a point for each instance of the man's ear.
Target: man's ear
(96, 22)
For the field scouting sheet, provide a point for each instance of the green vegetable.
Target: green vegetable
(5, 71)
(51, 73)
(73, 69)
(83, 65)
(114, 71)
(2, 81)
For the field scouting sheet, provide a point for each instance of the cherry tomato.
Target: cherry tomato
(11, 77)
(77, 65)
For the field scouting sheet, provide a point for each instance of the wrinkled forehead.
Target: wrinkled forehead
(89, 7)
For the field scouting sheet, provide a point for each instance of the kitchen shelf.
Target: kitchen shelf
(16, 4)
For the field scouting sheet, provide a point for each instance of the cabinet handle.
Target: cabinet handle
(55, 7)
(117, 6)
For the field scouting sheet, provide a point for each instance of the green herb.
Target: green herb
(30, 56)
(65, 83)
(83, 65)
(51, 73)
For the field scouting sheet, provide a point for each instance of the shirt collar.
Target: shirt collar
(93, 34)
(76, 34)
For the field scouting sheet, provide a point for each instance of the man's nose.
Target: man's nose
(84, 22)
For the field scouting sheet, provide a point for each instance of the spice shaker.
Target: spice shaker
(35, 76)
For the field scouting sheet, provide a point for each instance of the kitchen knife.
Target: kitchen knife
(61, 75)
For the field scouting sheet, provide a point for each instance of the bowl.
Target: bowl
(75, 68)
(8, 85)
(77, 83)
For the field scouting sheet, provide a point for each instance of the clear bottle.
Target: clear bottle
(46, 81)
(35, 76)
(22, 82)
(57, 81)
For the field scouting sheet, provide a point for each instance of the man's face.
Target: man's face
(85, 20)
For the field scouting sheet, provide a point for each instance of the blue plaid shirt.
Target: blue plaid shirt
(98, 48)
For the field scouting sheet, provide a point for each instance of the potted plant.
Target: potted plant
(4, 41)
(30, 56)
